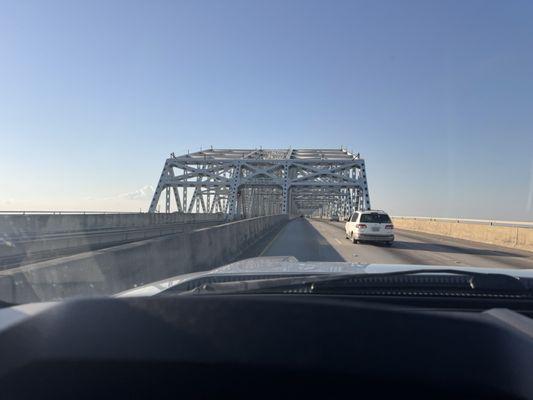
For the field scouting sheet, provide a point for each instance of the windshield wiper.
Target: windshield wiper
(443, 279)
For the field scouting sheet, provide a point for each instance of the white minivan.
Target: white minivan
(371, 226)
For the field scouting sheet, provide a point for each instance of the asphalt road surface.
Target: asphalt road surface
(317, 240)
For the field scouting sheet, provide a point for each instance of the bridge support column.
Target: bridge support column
(285, 201)
(233, 197)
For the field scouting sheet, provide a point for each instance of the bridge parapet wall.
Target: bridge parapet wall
(119, 268)
(45, 224)
(517, 235)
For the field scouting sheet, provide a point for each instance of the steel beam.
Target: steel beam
(252, 182)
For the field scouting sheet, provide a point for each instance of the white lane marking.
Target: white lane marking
(338, 241)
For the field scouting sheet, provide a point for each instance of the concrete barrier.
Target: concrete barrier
(123, 267)
(19, 251)
(518, 235)
(31, 225)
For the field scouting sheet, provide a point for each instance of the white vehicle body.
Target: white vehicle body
(371, 225)
(260, 267)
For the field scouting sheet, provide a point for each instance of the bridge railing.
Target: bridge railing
(60, 212)
(513, 234)
(490, 222)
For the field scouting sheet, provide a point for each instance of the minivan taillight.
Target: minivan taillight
(360, 226)
(389, 226)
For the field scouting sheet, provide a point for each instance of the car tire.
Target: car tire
(354, 240)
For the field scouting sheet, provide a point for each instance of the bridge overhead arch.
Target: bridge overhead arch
(255, 182)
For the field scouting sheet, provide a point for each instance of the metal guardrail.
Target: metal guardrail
(24, 212)
(516, 224)
(61, 212)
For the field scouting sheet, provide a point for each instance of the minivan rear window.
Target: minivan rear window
(375, 218)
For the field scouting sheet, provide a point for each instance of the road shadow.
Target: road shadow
(325, 250)
(255, 249)
(298, 238)
(444, 248)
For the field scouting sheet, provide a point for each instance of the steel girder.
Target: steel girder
(247, 183)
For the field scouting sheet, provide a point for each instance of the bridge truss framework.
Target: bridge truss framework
(248, 183)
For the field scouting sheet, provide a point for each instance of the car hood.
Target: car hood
(290, 265)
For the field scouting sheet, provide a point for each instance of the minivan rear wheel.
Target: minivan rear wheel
(354, 240)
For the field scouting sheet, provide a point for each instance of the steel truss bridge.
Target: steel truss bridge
(245, 183)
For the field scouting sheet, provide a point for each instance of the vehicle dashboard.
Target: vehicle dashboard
(263, 346)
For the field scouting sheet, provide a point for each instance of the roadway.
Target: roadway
(318, 240)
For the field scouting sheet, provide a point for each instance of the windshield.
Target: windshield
(146, 141)
(375, 218)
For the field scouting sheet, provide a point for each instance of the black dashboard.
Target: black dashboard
(262, 346)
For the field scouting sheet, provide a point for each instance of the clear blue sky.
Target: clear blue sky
(436, 95)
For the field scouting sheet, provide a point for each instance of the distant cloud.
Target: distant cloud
(146, 192)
